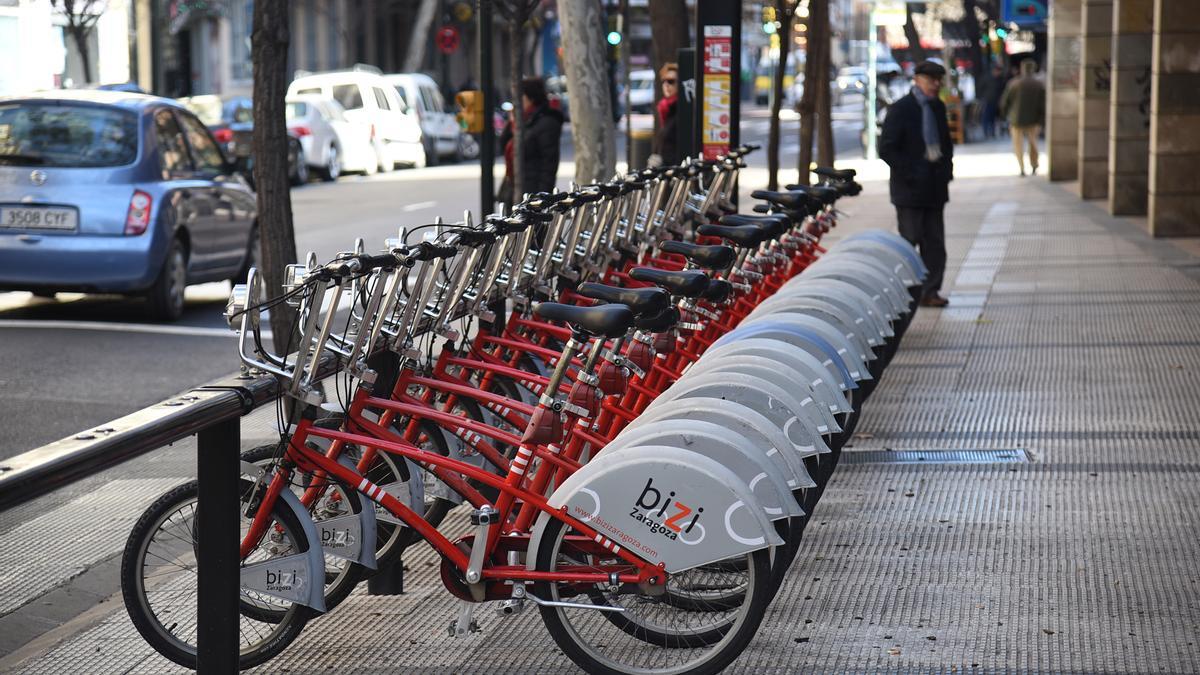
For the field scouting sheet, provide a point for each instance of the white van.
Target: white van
(439, 127)
(367, 97)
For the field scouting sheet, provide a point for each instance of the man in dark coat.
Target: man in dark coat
(916, 145)
(542, 133)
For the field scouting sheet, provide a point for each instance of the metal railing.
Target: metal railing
(211, 412)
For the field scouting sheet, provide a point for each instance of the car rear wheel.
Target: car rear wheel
(385, 162)
(253, 256)
(431, 155)
(333, 164)
(166, 295)
(300, 170)
(468, 147)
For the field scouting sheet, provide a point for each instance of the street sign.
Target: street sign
(890, 13)
(447, 39)
(1024, 12)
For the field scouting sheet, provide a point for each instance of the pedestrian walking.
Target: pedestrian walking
(541, 136)
(666, 146)
(989, 94)
(1024, 105)
(915, 143)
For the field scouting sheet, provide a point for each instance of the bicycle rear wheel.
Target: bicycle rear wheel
(652, 634)
(158, 581)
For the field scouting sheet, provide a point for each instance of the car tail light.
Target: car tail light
(138, 217)
(223, 135)
(301, 131)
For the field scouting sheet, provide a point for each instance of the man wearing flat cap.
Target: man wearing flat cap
(915, 143)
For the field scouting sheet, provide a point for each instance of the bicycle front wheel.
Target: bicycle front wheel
(159, 581)
(651, 634)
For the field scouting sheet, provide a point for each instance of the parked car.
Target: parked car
(110, 192)
(850, 80)
(370, 99)
(332, 144)
(641, 91)
(231, 121)
(441, 137)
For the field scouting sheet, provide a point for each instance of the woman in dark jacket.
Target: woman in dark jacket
(666, 147)
(541, 133)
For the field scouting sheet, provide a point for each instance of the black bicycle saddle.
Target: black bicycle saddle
(685, 283)
(607, 320)
(638, 300)
(715, 257)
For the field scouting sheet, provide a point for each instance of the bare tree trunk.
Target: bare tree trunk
(591, 102)
(669, 26)
(975, 50)
(80, 37)
(422, 26)
(784, 15)
(808, 103)
(269, 50)
(915, 51)
(516, 73)
(820, 34)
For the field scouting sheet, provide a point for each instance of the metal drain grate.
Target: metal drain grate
(987, 456)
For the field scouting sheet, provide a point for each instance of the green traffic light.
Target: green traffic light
(614, 38)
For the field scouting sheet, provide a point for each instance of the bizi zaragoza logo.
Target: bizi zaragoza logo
(667, 515)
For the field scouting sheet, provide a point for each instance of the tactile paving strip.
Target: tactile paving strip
(1083, 561)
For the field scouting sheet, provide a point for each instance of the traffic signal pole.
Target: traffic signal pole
(487, 138)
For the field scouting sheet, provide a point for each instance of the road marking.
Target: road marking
(417, 206)
(198, 331)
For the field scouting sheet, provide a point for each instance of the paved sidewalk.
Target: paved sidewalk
(1071, 337)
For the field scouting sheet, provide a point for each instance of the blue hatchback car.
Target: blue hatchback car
(112, 192)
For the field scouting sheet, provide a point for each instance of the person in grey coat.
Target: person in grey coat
(1024, 106)
(916, 144)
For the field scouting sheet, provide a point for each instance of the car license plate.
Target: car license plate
(38, 218)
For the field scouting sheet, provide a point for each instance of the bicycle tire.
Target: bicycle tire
(139, 606)
(714, 656)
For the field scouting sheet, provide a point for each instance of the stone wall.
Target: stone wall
(1129, 119)
(1174, 192)
(1062, 90)
(1095, 84)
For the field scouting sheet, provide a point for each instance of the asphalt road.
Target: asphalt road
(79, 361)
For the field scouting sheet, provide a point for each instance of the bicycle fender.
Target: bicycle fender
(667, 505)
(864, 281)
(901, 266)
(762, 432)
(776, 404)
(816, 419)
(857, 328)
(298, 578)
(870, 278)
(803, 338)
(352, 536)
(822, 378)
(838, 290)
(898, 244)
(731, 449)
(855, 360)
(818, 376)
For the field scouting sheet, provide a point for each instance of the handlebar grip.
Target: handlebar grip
(475, 237)
(381, 261)
(428, 251)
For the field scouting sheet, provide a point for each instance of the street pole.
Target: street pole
(872, 84)
(622, 28)
(487, 138)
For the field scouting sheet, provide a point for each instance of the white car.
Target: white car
(641, 91)
(440, 133)
(332, 144)
(368, 98)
